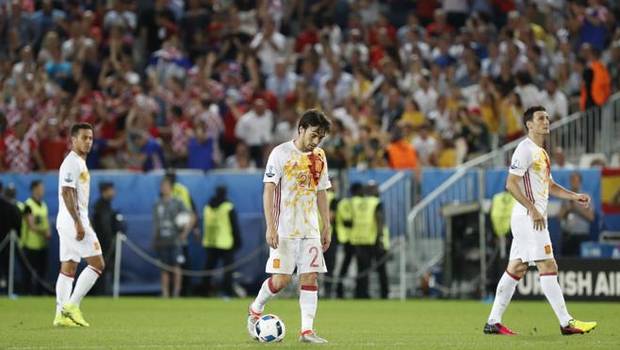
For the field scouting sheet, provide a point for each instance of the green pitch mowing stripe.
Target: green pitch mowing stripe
(152, 323)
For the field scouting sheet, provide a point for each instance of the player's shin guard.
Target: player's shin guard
(85, 282)
(505, 290)
(550, 286)
(64, 285)
(308, 300)
(267, 291)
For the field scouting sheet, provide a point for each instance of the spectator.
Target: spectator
(554, 101)
(269, 45)
(400, 153)
(255, 129)
(200, 149)
(241, 159)
(10, 220)
(426, 146)
(575, 220)
(596, 86)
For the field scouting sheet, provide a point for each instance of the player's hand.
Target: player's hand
(272, 237)
(538, 219)
(79, 228)
(583, 199)
(326, 238)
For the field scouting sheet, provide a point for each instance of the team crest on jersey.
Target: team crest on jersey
(276, 263)
(270, 171)
(84, 176)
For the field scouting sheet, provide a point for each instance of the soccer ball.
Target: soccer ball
(269, 329)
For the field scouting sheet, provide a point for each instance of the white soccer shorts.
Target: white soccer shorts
(529, 245)
(73, 250)
(304, 253)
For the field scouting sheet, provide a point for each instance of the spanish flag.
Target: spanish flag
(610, 190)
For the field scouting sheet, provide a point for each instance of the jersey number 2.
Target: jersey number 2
(315, 251)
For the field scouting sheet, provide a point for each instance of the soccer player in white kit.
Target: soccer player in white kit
(296, 180)
(530, 183)
(76, 235)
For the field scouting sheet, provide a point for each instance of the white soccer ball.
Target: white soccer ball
(269, 329)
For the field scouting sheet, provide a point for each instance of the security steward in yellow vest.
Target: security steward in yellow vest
(35, 235)
(344, 224)
(330, 255)
(367, 237)
(180, 192)
(221, 239)
(501, 210)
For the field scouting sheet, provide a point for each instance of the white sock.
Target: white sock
(85, 282)
(64, 285)
(308, 300)
(505, 290)
(267, 291)
(550, 286)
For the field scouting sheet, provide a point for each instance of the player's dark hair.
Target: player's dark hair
(529, 114)
(314, 117)
(35, 183)
(79, 126)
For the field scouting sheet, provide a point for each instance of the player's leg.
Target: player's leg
(503, 294)
(69, 257)
(84, 283)
(64, 286)
(548, 271)
(280, 265)
(310, 262)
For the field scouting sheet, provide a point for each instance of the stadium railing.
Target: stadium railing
(594, 131)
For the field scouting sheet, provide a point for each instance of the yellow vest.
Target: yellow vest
(386, 237)
(343, 213)
(364, 231)
(501, 209)
(217, 227)
(181, 193)
(29, 238)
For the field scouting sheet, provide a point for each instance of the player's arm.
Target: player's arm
(557, 190)
(512, 186)
(271, 236)
(69, 196)
(321, 199)
(584, 209)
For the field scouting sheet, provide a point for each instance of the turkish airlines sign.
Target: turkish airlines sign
(581, 279)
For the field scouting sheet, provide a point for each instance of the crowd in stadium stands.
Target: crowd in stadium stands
(216, 83)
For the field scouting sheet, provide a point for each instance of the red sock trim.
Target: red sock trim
(272, 288)
(548, 274)
(307, 331)
(309, 288)
(94, 269)
(514, 277)
(66, 274)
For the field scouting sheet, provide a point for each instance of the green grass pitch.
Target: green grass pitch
(152, 323)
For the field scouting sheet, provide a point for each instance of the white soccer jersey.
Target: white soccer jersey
(532, 163)
(74, 173)
(298, 177)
